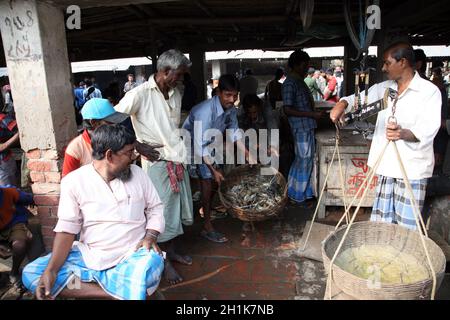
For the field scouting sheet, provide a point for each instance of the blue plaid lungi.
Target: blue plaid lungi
(392, 201)
(299, 180)
(131, 279)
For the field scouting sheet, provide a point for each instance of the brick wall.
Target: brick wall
(45, 172)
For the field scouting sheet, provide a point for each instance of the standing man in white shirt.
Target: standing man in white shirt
(155, 110)
(130, 84)
(417, 111)
(116, 209)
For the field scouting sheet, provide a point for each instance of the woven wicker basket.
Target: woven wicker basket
(379, 233)
(234, 177)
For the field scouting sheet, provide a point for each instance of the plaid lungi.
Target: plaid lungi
(178, 207)
(299, 180)
(393, 204)
(131, 279)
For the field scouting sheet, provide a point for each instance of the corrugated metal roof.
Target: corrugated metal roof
(109, 65)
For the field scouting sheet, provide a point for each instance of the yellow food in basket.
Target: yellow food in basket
(382, 263)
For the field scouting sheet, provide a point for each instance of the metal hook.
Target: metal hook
(392, 120)
(338, 132)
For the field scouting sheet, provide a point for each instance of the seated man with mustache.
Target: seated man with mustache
(119, 215)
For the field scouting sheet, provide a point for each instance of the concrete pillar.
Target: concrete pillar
(384, 38)
(216, 69)
(34, 41)
(198, 72)
(349, 68)
(380, 38)
(223, 67)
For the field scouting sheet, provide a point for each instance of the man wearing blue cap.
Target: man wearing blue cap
(95, 112)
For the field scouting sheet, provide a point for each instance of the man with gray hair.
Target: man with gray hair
(155, 109)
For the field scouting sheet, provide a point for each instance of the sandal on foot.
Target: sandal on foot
(218, 214)
(213, 214)
(220, 208)
(213, 236)
(5, 252)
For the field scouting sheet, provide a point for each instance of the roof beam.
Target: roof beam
(202, 7)
(84, 4)
(269, 44)
(208, 12)
(415, 12)
(147, 10)
(214, 21)
(144, 13)
(135, 12)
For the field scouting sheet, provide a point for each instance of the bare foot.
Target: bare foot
(245, 240)
(186, 260)
(170, 274)
(14, 278)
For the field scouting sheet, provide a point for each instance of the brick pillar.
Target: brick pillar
(34, 40)
(45, 172)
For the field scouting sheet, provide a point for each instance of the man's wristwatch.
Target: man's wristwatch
(152, 234)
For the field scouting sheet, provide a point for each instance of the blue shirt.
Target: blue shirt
(296, 94)
(210, 114)
(21, 212)
(79, 97)
(94, 94)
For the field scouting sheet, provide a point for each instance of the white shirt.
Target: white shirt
(419, 110)
(112, 219)
(95, 94)
(155, 119)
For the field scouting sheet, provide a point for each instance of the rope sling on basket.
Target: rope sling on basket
(418, 218)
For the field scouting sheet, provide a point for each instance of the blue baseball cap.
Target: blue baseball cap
(102, 109)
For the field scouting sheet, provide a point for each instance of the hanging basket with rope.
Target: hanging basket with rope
(383, 261)
(356, 255)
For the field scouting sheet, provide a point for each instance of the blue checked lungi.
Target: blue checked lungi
(392, 201)
(299, 180)
(131, 279)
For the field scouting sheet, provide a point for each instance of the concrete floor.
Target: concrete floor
(259, 265)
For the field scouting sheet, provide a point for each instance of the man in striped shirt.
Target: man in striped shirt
(299, 107)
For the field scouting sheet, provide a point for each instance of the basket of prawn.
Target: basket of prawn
(250, 196)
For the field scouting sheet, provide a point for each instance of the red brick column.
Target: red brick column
(45, 172)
